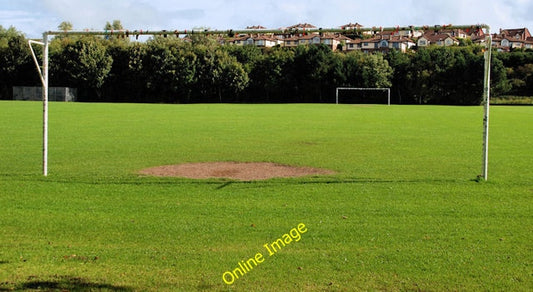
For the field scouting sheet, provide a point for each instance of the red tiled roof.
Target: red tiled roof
(345, 38)
(437, 37)
(522, 32)
(309, 37)
(294, 38)
(256, 27)
(351, 25)
(302, 25)
(264, 37)
(401, 40)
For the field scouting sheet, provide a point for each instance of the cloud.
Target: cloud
(16, 16)
(94, 14)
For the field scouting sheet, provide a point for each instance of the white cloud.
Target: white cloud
(94, 14)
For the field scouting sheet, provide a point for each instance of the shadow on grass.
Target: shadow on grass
(222, 183)
(67, 283)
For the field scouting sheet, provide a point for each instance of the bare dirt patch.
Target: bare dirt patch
(244, 171)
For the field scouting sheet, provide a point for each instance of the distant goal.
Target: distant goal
(363, 95)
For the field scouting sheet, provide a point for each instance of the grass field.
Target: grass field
(403, 212)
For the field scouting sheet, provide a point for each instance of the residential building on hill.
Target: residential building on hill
(381, 41)
(381, 44)
(439, 39)
(508, 39)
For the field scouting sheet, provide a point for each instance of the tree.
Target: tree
(169, 69)
(116, 25)
(217, 74)
(65, 26)
(85, 64)
(376, 71)
(271, 78)
(311, 65)
(366, 70)
(526, 71)
(16, 64)
(400, 62)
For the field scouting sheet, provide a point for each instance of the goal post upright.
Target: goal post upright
(486, 105)
(45, 104)
(43, 75)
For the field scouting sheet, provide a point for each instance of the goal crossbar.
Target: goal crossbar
(362, 89)
(288, 31)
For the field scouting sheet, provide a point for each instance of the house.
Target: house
(353, 45)
(241, 40)
(331, 40)
(528, 44)
(344, 42)
(301, 26)
(264, 41)
(403, 33)
(474, 33)
(378, 39)
(351, 26)
(511, 43)
(383, 43)
(312, 39)
(439, 39)
(401, 44)
(456, 33)
(509, 39)
(480, 40)
(256, 27)
(291, 41)
(369, 45)
(516, 33)
(378, 43)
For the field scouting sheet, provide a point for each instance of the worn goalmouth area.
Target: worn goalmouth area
(243, 171)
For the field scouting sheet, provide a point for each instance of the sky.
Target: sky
(33, 17)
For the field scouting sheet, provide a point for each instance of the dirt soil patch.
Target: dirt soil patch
(245, 171)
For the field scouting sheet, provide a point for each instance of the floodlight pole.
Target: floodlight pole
(486, 104)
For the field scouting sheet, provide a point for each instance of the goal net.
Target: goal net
(359, 95)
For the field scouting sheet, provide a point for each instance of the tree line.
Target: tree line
(199, 69)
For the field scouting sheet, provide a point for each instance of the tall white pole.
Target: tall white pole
(45, 104)
(486, 103)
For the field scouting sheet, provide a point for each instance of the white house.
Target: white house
(437, 39)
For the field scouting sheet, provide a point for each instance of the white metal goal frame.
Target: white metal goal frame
(362, 89)
(44, 76)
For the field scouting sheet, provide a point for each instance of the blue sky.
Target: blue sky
(35, 16)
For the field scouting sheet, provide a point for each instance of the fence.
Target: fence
(36, 93)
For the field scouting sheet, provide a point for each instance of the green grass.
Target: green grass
(512, 100)
(403, 213)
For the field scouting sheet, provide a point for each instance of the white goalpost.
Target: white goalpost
(44, 76)
(387, 90)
